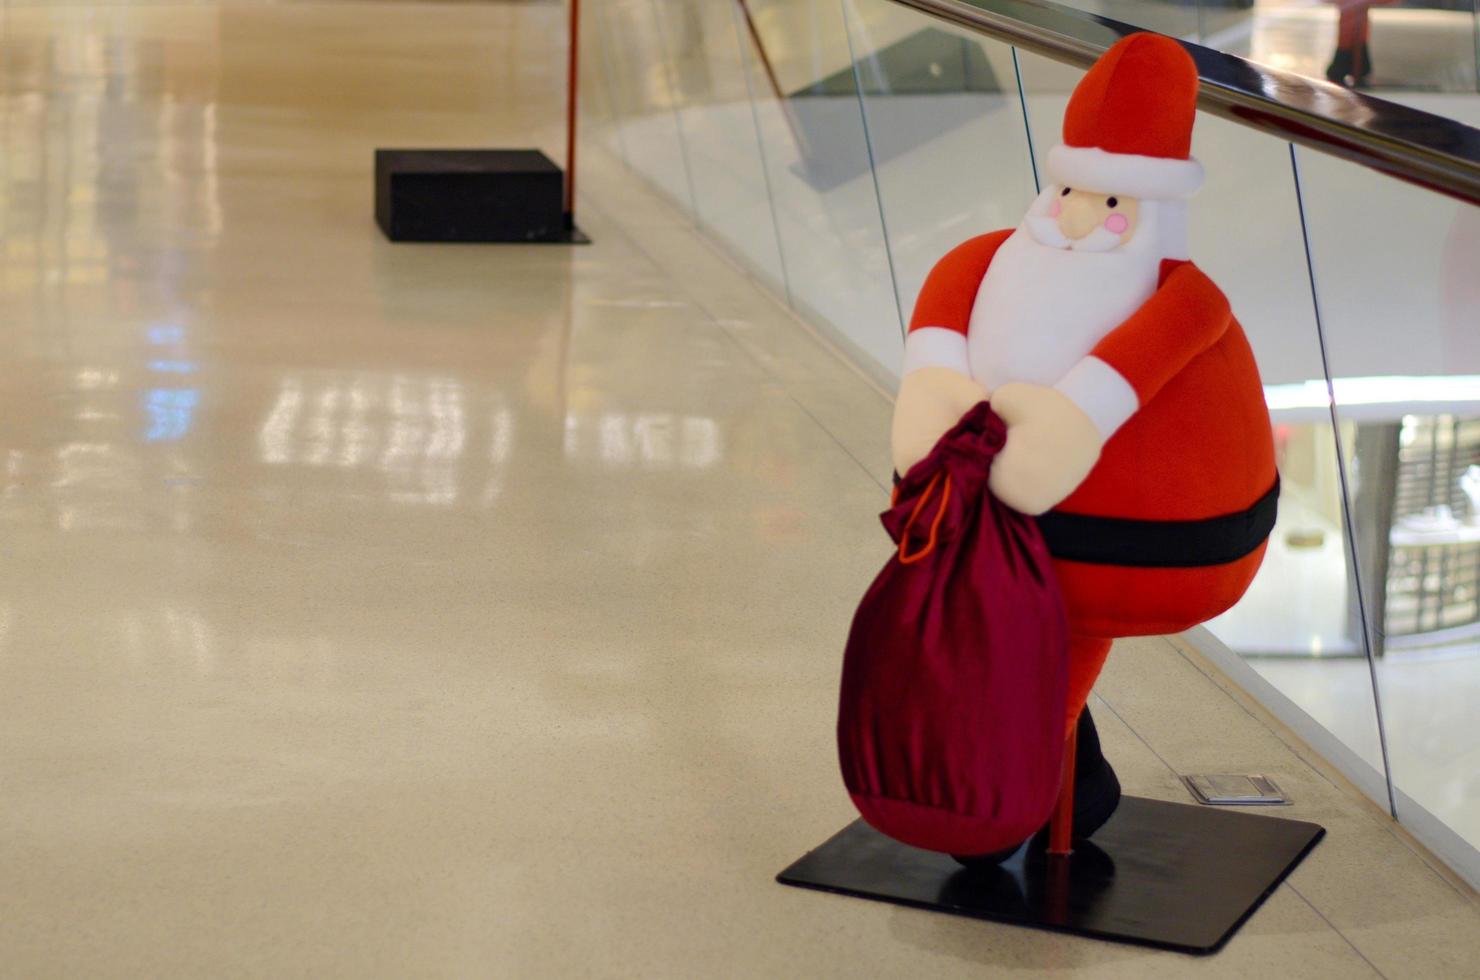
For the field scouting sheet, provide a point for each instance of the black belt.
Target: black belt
(1161, 544)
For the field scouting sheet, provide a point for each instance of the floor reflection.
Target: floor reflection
(657, 441)
(412, 430)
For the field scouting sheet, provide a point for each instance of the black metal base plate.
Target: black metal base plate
(566, 236)
(1158, 874)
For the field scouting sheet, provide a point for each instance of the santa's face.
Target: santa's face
(1087, 221)
(1070, 274)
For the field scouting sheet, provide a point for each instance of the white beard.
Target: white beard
(1046, 301)
(1045, 231)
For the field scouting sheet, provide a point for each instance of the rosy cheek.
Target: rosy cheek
(1054, 209)
(1116, 224)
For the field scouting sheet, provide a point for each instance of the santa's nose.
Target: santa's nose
(1078, 217)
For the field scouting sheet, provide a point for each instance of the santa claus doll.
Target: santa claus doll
(1136, 423)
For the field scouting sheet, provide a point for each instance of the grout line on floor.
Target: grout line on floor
(1205, 671)
(769, 295)
(1129, 727)
(718, 324)
(1334, 927)
(848, 452)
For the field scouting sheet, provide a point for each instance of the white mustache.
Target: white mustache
(1046, 231)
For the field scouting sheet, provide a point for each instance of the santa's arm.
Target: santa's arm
(936, 387)
(1184, 317)
(1054, 435)
(937, 334)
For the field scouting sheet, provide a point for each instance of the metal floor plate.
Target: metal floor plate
(1160, 874)
(1235, 789)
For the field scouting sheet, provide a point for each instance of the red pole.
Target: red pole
(1061, 827)
(570, 113)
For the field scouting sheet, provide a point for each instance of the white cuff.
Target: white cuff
(1101, 393)
(935, 347)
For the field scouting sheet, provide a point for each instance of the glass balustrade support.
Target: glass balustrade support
(1419, 147)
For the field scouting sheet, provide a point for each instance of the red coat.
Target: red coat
(1170, 526)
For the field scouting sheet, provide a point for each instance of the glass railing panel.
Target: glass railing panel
(599, 104)
(802, 81)
(1396, 276)
(717, 123)
(644, 95)
(946, 131)
(597, 113)
(1296, 626)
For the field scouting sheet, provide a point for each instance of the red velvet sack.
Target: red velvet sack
(951, 724)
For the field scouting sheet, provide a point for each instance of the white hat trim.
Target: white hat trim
(1093, 169)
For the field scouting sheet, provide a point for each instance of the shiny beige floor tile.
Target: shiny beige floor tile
(382, 610)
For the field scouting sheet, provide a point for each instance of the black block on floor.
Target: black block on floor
(470, 196)
(1158, 874)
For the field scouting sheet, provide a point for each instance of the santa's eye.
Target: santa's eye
(1064, 192)
(1113, 202)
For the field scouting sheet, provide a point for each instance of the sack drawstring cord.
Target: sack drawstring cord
(905, 558)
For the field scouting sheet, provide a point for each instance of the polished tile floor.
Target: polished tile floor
(442, 611)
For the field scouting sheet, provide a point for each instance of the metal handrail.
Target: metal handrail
(1419, 147)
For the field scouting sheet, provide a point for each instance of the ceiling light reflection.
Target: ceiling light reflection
(412, 430)
(657, 440)
(165, 335)
(170, 412)
(92, 379)
(1376, 397)
(172, 367)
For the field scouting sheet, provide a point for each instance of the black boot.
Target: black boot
(1096, 788)
(1096, 793)
(1341, 66)
(1362, 68)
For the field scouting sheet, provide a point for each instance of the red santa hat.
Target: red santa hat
(1128, 128)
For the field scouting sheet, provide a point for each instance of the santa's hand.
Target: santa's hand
(1051, 447)
(930, 401)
